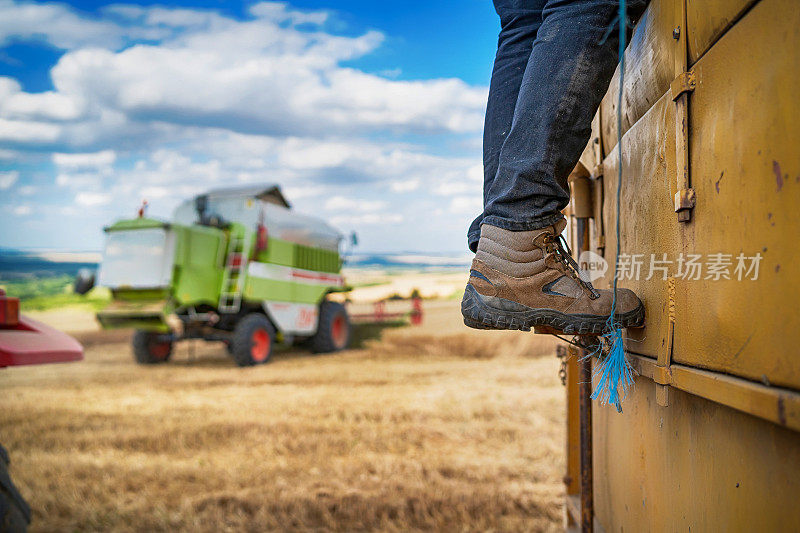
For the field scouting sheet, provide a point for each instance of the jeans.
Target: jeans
(551, 70)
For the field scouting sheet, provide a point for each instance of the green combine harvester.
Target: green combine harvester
(234, 265)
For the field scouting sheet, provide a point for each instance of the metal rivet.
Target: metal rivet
(676, 33)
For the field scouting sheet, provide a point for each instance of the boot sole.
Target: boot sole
(477, 314)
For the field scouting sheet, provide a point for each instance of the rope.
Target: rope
(614, 374)
(623, 17)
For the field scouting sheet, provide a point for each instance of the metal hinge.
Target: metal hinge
(684, 203)
(685, 195)
(684, 83)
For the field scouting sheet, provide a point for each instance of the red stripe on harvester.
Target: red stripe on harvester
(318, 277)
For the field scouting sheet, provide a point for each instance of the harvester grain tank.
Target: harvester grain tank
(236, 265)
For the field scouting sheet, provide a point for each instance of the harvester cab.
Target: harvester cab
(233, 265)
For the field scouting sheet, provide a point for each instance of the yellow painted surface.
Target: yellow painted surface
(774, 404)
(649, 225)
(649, 69)
(693, 465)
(744, 123)
(724, 455)
(708, 19)
(745, 167)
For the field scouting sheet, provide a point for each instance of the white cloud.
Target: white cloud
(62, 27)
(159, 103)
(279, 12)
(156, 192)
(8, 178)
(340, 203)
(475, 173)
(104, 158)
(404, 185)
(28, 132)
(56, 24)
(368, 219)
(46, 106)
(22, 210)
(466, 204)
(91, 199)
(79, 180)
(449, 188)
(262, 76)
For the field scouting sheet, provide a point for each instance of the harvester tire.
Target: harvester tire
(333, 328)
(253, 340)
(15, 514)
(148, 349)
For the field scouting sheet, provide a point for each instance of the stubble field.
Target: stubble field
(435, 427)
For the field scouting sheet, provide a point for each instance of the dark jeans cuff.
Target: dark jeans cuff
(472, 240)
(523, 225)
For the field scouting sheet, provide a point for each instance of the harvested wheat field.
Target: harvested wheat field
(430, 428)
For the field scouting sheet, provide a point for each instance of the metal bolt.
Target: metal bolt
(676, 33)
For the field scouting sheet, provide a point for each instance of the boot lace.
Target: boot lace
(560, 249)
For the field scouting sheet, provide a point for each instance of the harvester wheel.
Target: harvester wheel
(253, 338)
(333, 329)
(149, 347)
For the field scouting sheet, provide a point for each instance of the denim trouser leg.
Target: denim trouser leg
(567, 74)
(519, 22)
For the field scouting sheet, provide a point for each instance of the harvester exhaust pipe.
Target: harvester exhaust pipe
(201, 206)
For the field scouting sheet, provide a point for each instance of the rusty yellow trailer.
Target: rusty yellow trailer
(710, 435)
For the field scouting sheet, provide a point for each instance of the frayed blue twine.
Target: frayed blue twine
(613, 373)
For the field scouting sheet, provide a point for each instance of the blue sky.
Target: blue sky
(368, 114)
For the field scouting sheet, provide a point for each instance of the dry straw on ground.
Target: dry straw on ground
(435, 428)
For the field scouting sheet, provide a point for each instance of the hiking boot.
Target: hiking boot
(522, 279)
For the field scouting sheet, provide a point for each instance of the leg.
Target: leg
(522, 276)
(519, 22)
(568, 73)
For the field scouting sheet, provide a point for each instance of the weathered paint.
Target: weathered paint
(707, 20)
(745, 117)
(710, 435)
(648, 222)
(649, 69)
(693, 465)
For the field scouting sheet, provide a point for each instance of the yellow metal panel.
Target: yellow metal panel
(591, 154)
(744, 125)
(780, 406)
(707, 20)
(695, 465)
(649, 225)
(649, 69)
(702, 463)
(745, 168)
